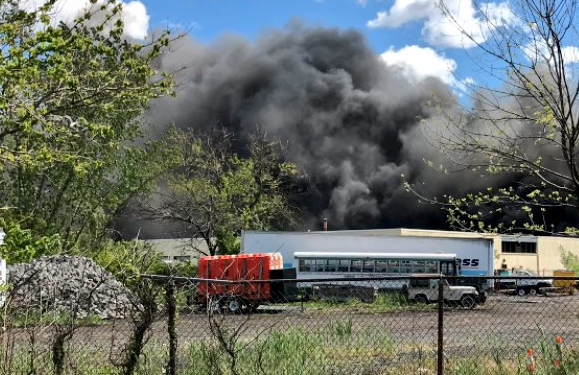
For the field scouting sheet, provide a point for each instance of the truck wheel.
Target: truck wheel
(215, 306)
(533, 291)
(421, 298)
(521, 291)
(467, 301)
(234, 306)
(483, 297)
(252, 307)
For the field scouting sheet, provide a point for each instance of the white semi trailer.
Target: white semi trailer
(325, 255)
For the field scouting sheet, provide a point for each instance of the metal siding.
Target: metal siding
(289, 243)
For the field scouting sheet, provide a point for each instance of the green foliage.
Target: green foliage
(65, 87)
(227, 241)
(216, 192)
(23, 245)
(335, 349)
(128, 260)
(70, 98)
(33, 317)
(570, 261)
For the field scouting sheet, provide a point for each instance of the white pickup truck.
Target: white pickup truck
(426, 291)
(532, 286)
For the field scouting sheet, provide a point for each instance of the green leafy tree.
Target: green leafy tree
(70, 99)
(215, 193)
(570, 261)
(522, 133)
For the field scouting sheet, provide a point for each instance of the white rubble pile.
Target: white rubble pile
(69, 283)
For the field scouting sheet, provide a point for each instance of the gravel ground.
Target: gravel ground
(509, 324)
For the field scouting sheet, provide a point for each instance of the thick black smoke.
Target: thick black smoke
(351, 121)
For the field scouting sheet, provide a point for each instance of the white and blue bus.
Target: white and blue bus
(317, 264)
(336, 265)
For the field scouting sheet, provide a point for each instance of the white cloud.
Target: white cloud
(571, 55)
(404, 11)
(418, 63)
(134, 15)
(136, 19)
(440, 29)
(537, 51)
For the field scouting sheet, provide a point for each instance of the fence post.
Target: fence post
(171, 313)
(440, 369)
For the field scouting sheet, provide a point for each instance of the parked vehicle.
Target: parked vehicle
(532, 286)
(567, 285)
(426, 291)
(246, 283)
(317, 264)
(347, 255)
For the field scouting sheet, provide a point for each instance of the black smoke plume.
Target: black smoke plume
(351, 121)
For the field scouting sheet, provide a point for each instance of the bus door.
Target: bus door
(450, 267)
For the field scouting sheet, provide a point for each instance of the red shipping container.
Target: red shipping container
(242, 268)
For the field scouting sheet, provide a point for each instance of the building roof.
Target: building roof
(413, 232)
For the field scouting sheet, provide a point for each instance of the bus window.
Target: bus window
(368, 266)
(405, 266)
(393, 266)
(320, 264)
(417, 266)
(431, 267)
(382, 266)
(343, 266)
(332, 265)
(304, 265)
(356, 266)
(448, 268)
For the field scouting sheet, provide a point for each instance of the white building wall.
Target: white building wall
(287, 243)
(180, 249)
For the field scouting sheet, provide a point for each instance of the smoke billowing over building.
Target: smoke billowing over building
(351, 121)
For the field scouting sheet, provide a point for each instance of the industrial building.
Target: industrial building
(541, 254)
(174, 250)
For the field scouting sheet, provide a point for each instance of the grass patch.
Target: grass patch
(334, 349)
(341, 347)
(384, 302)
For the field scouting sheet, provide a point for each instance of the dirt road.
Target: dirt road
(506, 323)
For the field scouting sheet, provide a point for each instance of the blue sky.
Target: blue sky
(410, 33)
(411, 30)
(413, 34)
(212, 18)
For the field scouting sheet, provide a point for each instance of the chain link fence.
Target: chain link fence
(421, 325)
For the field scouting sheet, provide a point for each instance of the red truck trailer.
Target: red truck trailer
(238, 292)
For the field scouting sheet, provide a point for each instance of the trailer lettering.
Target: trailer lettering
(470, 262)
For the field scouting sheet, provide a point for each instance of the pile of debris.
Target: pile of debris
(71, 284)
